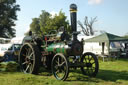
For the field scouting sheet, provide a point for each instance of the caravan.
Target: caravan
(105, 44)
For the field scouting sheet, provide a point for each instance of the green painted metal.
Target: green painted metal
(57, 48)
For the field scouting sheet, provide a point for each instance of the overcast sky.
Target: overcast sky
(112, 15)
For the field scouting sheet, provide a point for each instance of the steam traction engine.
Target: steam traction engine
(58, 55)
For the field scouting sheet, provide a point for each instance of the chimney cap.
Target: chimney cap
(73, 7)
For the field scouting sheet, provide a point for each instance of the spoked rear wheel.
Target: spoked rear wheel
(29, 58)
(91, 64)
(60, 67)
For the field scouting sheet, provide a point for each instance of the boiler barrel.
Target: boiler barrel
(73, 50)
(58, 48)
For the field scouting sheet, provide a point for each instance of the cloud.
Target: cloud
(27, 29)
(94, 2)
(53, 13)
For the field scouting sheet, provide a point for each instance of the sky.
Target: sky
(112, 15)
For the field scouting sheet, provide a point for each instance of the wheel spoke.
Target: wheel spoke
(57, 71)
(30, 55)
(27, 68)
(63, 70)
(89, 71)
(30, 68)
(58, 61)
(90, 58)
(26, 50)
(24, 63)
(84, 58)
(93, 63)
(62, 63)
(29, 51)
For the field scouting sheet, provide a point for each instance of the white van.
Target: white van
(4, 48)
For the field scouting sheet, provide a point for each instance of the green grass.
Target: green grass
(110, 73)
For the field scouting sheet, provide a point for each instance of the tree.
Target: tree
(126, 35)
(8, 9)
(60, 20)
(88, 29)
(35, 25)
(45, 23)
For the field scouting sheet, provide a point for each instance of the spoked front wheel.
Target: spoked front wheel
(60, 67)
(91, 64)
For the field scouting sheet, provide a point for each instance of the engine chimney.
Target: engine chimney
(73, 10)
(73, 15)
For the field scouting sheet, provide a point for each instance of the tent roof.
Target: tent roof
(106, 37)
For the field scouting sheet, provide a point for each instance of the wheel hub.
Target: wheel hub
(88, 64)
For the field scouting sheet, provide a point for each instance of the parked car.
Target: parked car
(12, 53)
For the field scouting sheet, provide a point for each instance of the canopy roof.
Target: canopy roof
(106, 37)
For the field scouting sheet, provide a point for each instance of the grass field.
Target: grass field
(110, 73)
